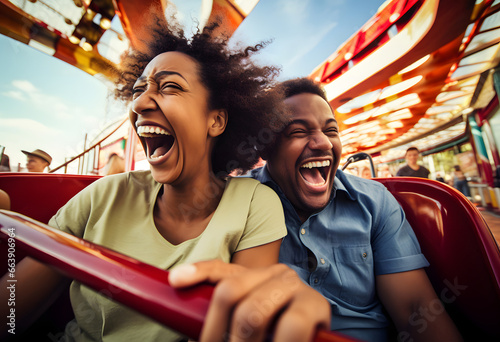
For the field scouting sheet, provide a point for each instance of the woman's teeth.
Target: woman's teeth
(157, 139)
(143, 131)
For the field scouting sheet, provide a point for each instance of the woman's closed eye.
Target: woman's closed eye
(170, 86)
(136, 91)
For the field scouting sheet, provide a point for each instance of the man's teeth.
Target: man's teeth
(312, 164)
(143, 131)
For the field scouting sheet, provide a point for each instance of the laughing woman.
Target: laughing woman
(196, 106)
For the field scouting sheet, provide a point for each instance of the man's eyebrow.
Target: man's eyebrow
(297, 122)
(305, 123)
(159, 75)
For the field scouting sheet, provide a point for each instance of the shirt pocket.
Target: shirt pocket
(355, 267)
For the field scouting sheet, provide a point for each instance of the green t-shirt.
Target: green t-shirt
(117, 212)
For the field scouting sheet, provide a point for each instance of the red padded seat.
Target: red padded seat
(463, 255)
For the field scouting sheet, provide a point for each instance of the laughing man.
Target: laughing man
(348, 239)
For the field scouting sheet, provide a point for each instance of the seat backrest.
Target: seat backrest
(463, 254)
(40, 195)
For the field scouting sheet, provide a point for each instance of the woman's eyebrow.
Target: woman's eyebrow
(159, 75)
(164, 73)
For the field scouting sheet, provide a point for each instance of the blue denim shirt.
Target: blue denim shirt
(360, 234)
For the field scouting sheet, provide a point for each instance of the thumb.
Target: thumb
(184, 275)
(211, 271)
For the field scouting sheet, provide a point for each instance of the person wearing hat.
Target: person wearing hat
(37, 160)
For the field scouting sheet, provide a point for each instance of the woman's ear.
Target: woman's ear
(217, 122)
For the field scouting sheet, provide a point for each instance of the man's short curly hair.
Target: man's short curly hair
(234, 82)
(302, 85)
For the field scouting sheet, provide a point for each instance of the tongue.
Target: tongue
(312, 175)
(159, 152)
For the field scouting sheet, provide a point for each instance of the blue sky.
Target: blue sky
(48, 104)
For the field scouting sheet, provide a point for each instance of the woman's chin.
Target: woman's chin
(164, 177)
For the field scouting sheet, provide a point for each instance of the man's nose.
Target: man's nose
(319, 141)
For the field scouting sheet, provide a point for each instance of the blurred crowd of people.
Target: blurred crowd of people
(455, 177)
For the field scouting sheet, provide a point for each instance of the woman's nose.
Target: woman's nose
(144, 103)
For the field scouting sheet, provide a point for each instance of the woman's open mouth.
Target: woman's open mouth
(158, 141)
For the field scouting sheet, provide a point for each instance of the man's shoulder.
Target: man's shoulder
(355, 181)
(258, 174)
(356, 186)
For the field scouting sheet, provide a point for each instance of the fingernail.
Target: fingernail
(181, 271)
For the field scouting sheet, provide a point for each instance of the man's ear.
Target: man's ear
(217, 122)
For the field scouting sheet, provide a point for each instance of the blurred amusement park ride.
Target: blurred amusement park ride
(419, 72)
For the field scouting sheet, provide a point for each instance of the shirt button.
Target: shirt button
(365, 255)
(302, 231)
(322, 260)
(316, 280)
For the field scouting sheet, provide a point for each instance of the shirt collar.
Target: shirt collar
(342, 183)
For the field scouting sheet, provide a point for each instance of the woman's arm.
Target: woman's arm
(37, 286)
(260, 256)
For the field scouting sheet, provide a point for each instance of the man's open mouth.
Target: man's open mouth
(158, 140)
(315, 173)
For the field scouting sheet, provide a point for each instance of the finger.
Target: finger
(254, 314)
(227, 296)
(211, 271)
(306, 313)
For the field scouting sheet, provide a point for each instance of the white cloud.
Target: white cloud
(24, 85)
(15, 94)
(49, 106)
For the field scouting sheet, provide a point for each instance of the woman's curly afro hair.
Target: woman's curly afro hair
(235, 83)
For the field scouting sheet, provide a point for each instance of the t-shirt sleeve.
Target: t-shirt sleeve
(395, 246)
(265, 221)
(72, 218)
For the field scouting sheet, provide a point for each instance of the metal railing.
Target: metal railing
(86, 154)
